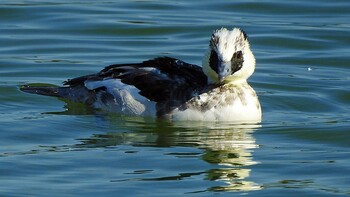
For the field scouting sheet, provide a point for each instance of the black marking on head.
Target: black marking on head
(245, 35)
(236, 61)
(214, 41)
(214, 60)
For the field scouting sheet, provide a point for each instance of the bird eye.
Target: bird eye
(214, 60)
(239, 54)
(237, 61)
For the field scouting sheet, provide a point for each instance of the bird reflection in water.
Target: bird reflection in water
(227, 148)
(232, 149)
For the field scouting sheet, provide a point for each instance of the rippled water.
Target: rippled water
(53, 148)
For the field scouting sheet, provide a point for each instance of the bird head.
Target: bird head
(229, 58)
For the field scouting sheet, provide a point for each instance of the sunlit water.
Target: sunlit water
(52, 148)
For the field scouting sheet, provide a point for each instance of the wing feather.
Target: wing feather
(160, 80)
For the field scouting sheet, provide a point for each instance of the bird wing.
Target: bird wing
(162, 79)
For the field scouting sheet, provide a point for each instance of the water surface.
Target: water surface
(54, 148)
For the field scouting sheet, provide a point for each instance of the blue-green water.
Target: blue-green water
(50, 148)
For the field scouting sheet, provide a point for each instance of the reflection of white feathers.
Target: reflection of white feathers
(232, 149)
(230, 146)
(227, 148)
(233, 146)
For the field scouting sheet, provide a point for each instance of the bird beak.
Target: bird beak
(224, 70)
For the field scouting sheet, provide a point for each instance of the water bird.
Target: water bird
(169, 88)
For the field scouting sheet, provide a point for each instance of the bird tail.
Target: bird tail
(42, 90)
(76, 94)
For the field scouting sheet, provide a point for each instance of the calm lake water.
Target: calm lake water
(52, 148)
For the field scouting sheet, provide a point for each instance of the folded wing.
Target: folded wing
(161, 80)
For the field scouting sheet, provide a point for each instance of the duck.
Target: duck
(169, 88)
